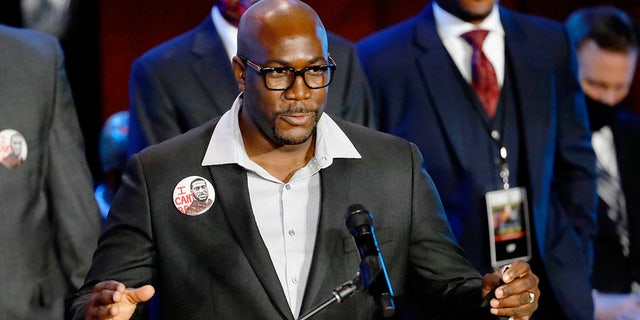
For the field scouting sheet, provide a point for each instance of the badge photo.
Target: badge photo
(509, 233)
(193, 195)
(13, 148)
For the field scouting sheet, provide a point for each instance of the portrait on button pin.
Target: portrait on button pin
(13, 148)
(193, 195)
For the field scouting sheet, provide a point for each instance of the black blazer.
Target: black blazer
(216, 266)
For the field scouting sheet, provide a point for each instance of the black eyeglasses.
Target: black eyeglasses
(282, 78)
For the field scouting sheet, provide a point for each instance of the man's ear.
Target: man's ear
(238, 71)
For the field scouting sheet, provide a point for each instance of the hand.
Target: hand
(616, 306)
(112, 300)
(514, 299)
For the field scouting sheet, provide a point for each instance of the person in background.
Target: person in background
(606, 45)
(281, 175)
(489, 97)
(188, 80)
(113, 158)
(75, 24)
(50, 220)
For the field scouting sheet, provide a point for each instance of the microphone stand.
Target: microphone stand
(339, 294)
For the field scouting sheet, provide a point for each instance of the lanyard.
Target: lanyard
(497, 137)
(504, 166)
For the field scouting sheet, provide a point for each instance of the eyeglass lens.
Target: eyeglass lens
(314, 77)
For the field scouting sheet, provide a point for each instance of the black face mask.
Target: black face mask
(600, 114)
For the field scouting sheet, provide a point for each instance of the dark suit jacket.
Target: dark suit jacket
(613, 272)
(216, 266)
(415, 87)
(188, 80)
(50, 220)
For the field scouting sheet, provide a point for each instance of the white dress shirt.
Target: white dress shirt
(610, 188)
(286, 213)
(450, 28)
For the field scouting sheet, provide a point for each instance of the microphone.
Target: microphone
(373, 274)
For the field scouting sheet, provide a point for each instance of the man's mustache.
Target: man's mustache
(296, 110)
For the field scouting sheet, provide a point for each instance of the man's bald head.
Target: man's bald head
(271, 22)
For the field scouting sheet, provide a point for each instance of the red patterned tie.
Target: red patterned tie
(484, 78)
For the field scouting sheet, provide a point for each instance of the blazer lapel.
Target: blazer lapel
(237, 207)
(439, 81)
(533, 100)
(533, 104)
(213, 68)
(331, 237)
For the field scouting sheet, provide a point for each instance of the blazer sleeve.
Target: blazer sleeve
(125, 250)
(74, 211)
(574, 178)
(446, 281)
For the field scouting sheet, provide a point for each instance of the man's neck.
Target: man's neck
(281, 161)
(471, 17)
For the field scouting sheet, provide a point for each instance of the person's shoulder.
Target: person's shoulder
(362, 135)
(378, 149)
(26, 40)
(24, 34)
(174, 48)
(628, 120)
(394, 38)
(189, 145)
(540, 36)
(395, 32)
(336, 40)
(528, 22)
(340, 48)
(34, 48)
(626, 129)
(174, 155)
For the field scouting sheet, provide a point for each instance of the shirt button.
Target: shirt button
(287, 186)
(294, 280)
(292, 233)
(495, 135)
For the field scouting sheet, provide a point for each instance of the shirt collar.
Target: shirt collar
(226, 144)
(450, 26)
